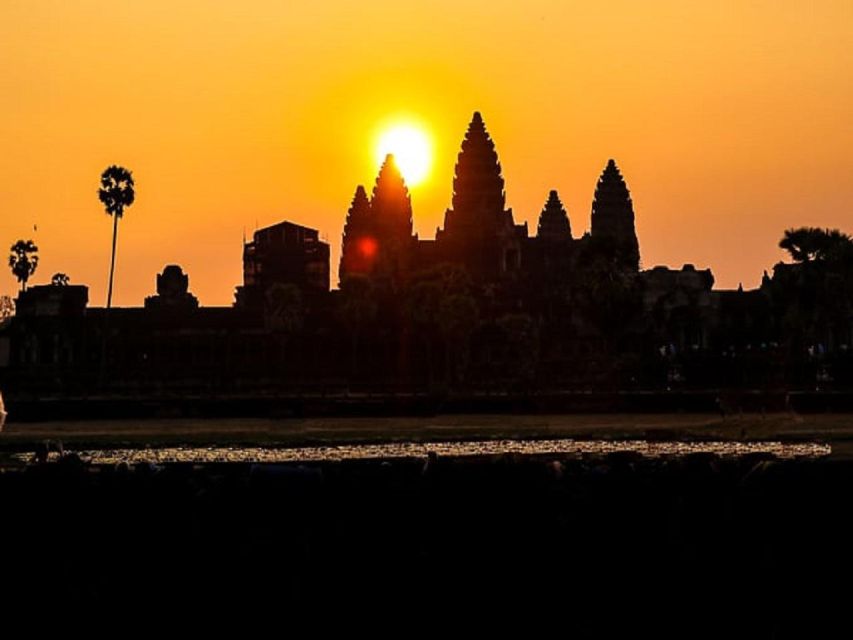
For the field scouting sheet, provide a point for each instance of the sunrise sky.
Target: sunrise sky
(730, 122)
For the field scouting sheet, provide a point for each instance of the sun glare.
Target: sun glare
(411, 149)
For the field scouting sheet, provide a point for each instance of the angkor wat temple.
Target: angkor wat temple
(482, 308)
(480, 234)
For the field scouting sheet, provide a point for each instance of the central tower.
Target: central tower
(479, 232)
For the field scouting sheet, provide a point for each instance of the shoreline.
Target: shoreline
(833, 428)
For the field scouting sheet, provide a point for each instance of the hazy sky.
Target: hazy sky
(730, 122)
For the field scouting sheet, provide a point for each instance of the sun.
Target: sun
(411, 149)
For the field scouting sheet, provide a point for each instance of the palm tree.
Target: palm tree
(23, 261)
(808, 244)
(116, 193)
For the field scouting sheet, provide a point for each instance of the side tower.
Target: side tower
(479, 232)
(358, 247)
(554, 225)
(378, 240)
(613, 217)
(548, 256)
(391, 214)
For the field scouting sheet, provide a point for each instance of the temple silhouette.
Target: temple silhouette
(483, 308)
(480, 234)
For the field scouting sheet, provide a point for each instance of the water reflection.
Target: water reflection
(651, 449)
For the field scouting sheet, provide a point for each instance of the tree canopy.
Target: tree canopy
(117, 190)
(806, 244)
(23, 260)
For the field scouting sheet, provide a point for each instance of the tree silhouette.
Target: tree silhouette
(439, 306)
(60, 280)
(801, 243)
(806, 244)
(458, 317)
(814, 297)
(116, 194)
(358, 310)
(608, 291)
(521, 335)
(23, 261)
(421, 309)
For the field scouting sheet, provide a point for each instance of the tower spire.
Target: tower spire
(613, 215)
(391, 203)
(478, 186)
(554, 221)
(378, 242)
(479, 231)
(358, 240)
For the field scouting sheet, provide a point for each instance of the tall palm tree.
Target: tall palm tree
(116, 193)
(23, 261)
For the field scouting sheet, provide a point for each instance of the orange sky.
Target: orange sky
(730, 121)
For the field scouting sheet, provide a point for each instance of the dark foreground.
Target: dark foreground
(698, 545)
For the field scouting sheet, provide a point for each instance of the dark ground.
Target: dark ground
(687, 547)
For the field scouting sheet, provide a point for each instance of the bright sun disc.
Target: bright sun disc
(411, 150)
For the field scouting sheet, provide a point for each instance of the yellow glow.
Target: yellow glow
(411, 149)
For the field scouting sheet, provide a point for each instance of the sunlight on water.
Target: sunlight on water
(202, 455)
